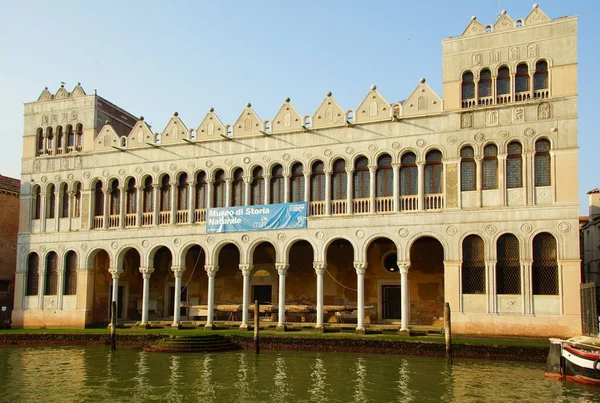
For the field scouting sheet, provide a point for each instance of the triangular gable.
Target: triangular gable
(423, 100)
(247, 123)
(504, 22)
(210, 127)
(45, 95)
(373, 108)
(536, 16)
(287, 119)
(175, 131)
(107, 138)
(61, 93)
(78, 91)
(474, 28)
(328, 114)
(140, 134)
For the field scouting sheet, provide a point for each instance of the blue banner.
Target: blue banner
(256, 218)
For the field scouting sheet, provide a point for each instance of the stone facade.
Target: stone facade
(469, 199)
(590, 240)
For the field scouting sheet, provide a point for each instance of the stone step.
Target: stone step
(209, 343)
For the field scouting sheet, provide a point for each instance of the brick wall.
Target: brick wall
(9, 228)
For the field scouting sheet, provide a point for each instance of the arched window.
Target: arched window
(237, 192)
(131, 202)
(257, 189)
(409, 175)
(317, 182)
(297, 183)
(33, 271)
(79, 130)
(384, 177)
(508, 266)
(182, 192)
(277, 184)
(77, 200)
(473, 265)
(522, 78)
(503, 85)
(490, 167)
(59, 140)
(540, 77)
(339, 180)
(514, 165)
(38, 203)
(115, 196)
(219, 189)
(51, 274)
(49, 140)
(468, 88)
(361, 182)
(485, 84)
(544, 270)
(40, 141)
(468, 170)
(542, 163)
(70, 280)
(98, 200)
(70, 138)
(165, 194)
(433, 172)
(148, 202)
(51, 208)
(201, 189)
(64, 210)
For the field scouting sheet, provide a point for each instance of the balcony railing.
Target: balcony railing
(113, 221)
(361, 206)
(59, 151)
(522, 96)
(164, 217)
(130, 219)
(200, 215)
(147, 219)
(541, 94)
(317, 207)
(503, 99)
(468, 103)
(70, 149)
(98, 222)
(339, 207)
(434, 201)
(384, 204)
(182, 216)
(486, 100)
(409, 203)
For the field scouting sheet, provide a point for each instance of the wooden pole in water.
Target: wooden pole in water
(256, 326)
(448, 333)
(113, 325)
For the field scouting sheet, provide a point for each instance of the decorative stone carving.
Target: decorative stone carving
(44, 179)
(526, 228)
(421, 143)
(57, 178)
(529, 132)
(177, 241)
(372, 148)
(173, 167)
(78, 162)
(491, 118)
(503, 135)
(479, 137)
(477, 59)
(105, 173)
(209, 164)
(155, 168)
(228, 162)
(319, 235)
(266, 159)
(451, 230)
(138, 170)
(451, 186)
(210, 240)
(286, 157)
(307, 154)
(84, 246)
(114, 245)
(466, 120)
(513, 53)
(564, 226)
(145, 243)
(395, 145)
(246, 160)
(49, 165)
(245, 238)
(64, 164)
(327, 152)
(349, 150)
(494, 56)
(360, 234)
(122, 172)
(281, 236)
(86, 175)
(70, 177)
(191, 165)
(42, 248)
(61, 248)
(491, 229)
(544, 111)
(403, 232)
(518, 114)
(532, 50)
(36, 166)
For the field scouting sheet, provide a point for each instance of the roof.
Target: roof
(10, 185)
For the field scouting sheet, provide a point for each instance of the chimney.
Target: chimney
(594, 203)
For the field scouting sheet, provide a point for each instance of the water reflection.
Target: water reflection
(241, 385)
(318, 376)
(281, 392)
(360, 390)
(404, 392)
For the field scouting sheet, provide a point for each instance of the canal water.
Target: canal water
(95, 374)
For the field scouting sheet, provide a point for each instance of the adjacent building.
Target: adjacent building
(9, 229)
(469, 198)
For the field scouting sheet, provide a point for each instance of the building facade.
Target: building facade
(469, 199)
(9, 229)
(590, 240)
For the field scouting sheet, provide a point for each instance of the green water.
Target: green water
(94, 374)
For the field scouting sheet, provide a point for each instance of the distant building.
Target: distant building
(470, 198)
(590, 240)
(9, 229)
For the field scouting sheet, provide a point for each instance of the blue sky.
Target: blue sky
(154, 58)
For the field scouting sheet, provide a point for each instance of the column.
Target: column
(267, 182)
(372, 190)
(90, 207)
(404, 296)
(211, 271)
(43, 212)
(247, 183)
(502, 178)
(70, 195)
(115, 286)
(478, 178)
(490, 279)
(319, 269)
(360, 268)
(139, 200)
(350, 189)
(526, 290)
(173, 197)
(105, 211)
(146, 273)
(286, 187)
(528, 177)
(177, 272)
(228, 192)
(57, 207)
(122, 197)
(60, 289)
(41, 282)
(155, 206)
(421, 184)
(307, 187)
(282, 271)
(327, 192)
(44, 148)
(191, 205)
(246, 269)
(396, 186)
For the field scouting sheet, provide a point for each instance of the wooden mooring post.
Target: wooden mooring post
(448, 332)
(113, 325)
(256, 326)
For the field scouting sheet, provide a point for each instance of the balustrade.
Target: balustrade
(541, 94)
(384, 204)
(468, 103)
(409, 203)
(503, 99)
(339, 207)
(522, 96)
(113, 221)
(182, 216)
(147, 219)
(361, 206)
(434, 201)
(486, 100)
(200, 215)
(130, 220)
(317, 207)
(164, 217)
(98, 222)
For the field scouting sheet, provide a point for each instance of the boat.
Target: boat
(576, 359)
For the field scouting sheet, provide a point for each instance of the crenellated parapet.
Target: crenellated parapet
(506, 23)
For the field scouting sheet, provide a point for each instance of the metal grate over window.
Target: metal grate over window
(542, 163)
(51, 274)
(522, 78)
(544, 271)
(70, 274)
(362, 183)
(257, 187)
(165, 194)
(409, 175)
(131, 205)
(33, 271)
(148, 196)
(490, 167)
(317, 182)
(297, 183)
(514, 166)
(339, 180)
(433, 172)
(508, 266)
(468, 86)
(385, 176)
(467, 169)
(237, 193)
(485, 83)
(201, 188)
(503, 81)
(219, 189)
(540, 78)
(182, 192)
(277, 184)
(473, 266)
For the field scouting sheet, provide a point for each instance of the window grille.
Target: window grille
(237, 193)
(297, 183)
(70, 136)
(201, 188)
(485, 83)
(490, 167)
(115, 195)
(165, 194)
(508, 266)
(522, 78)
(362, 183)
(339, 180)
(131, 205)
(182, 192)
(277, 184)
(514, 166)
(33, 269)
(148, 196)
(540, 78)
(384, 177)
(473, 266)
(468, 169)
(64, 210)
(468, 86)
(257, 188)
(503, 81)
(51, 201)
(99, 200)
(317, 182)
(542, 163)
(51, 274)
(70, 274)
(40, 141)
(38, 203)
(544, 270)
(433, 172)
(409, 175)
(219, 189)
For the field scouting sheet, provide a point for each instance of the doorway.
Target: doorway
(391, 301)
(262, 294)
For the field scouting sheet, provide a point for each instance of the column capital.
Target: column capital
(115, 272)
(71, 193)
(247, 179)
(146, 271)
(246, 269)
(266, 176)
(173, 184)
(156, 185)
(306, 174)
(420, 163)
(403, 267)
(478, 159)
(287, 175)
(327, 171)
(360, 267)
(177, 270)
(319, 267)
(106, 191)
(192, 183)
(349, 170)
(228, 180)
(210, 181)
(139, 187)
(526, 262)
(282, 268)
(372, 168)
(395, 165)
(211, 269)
